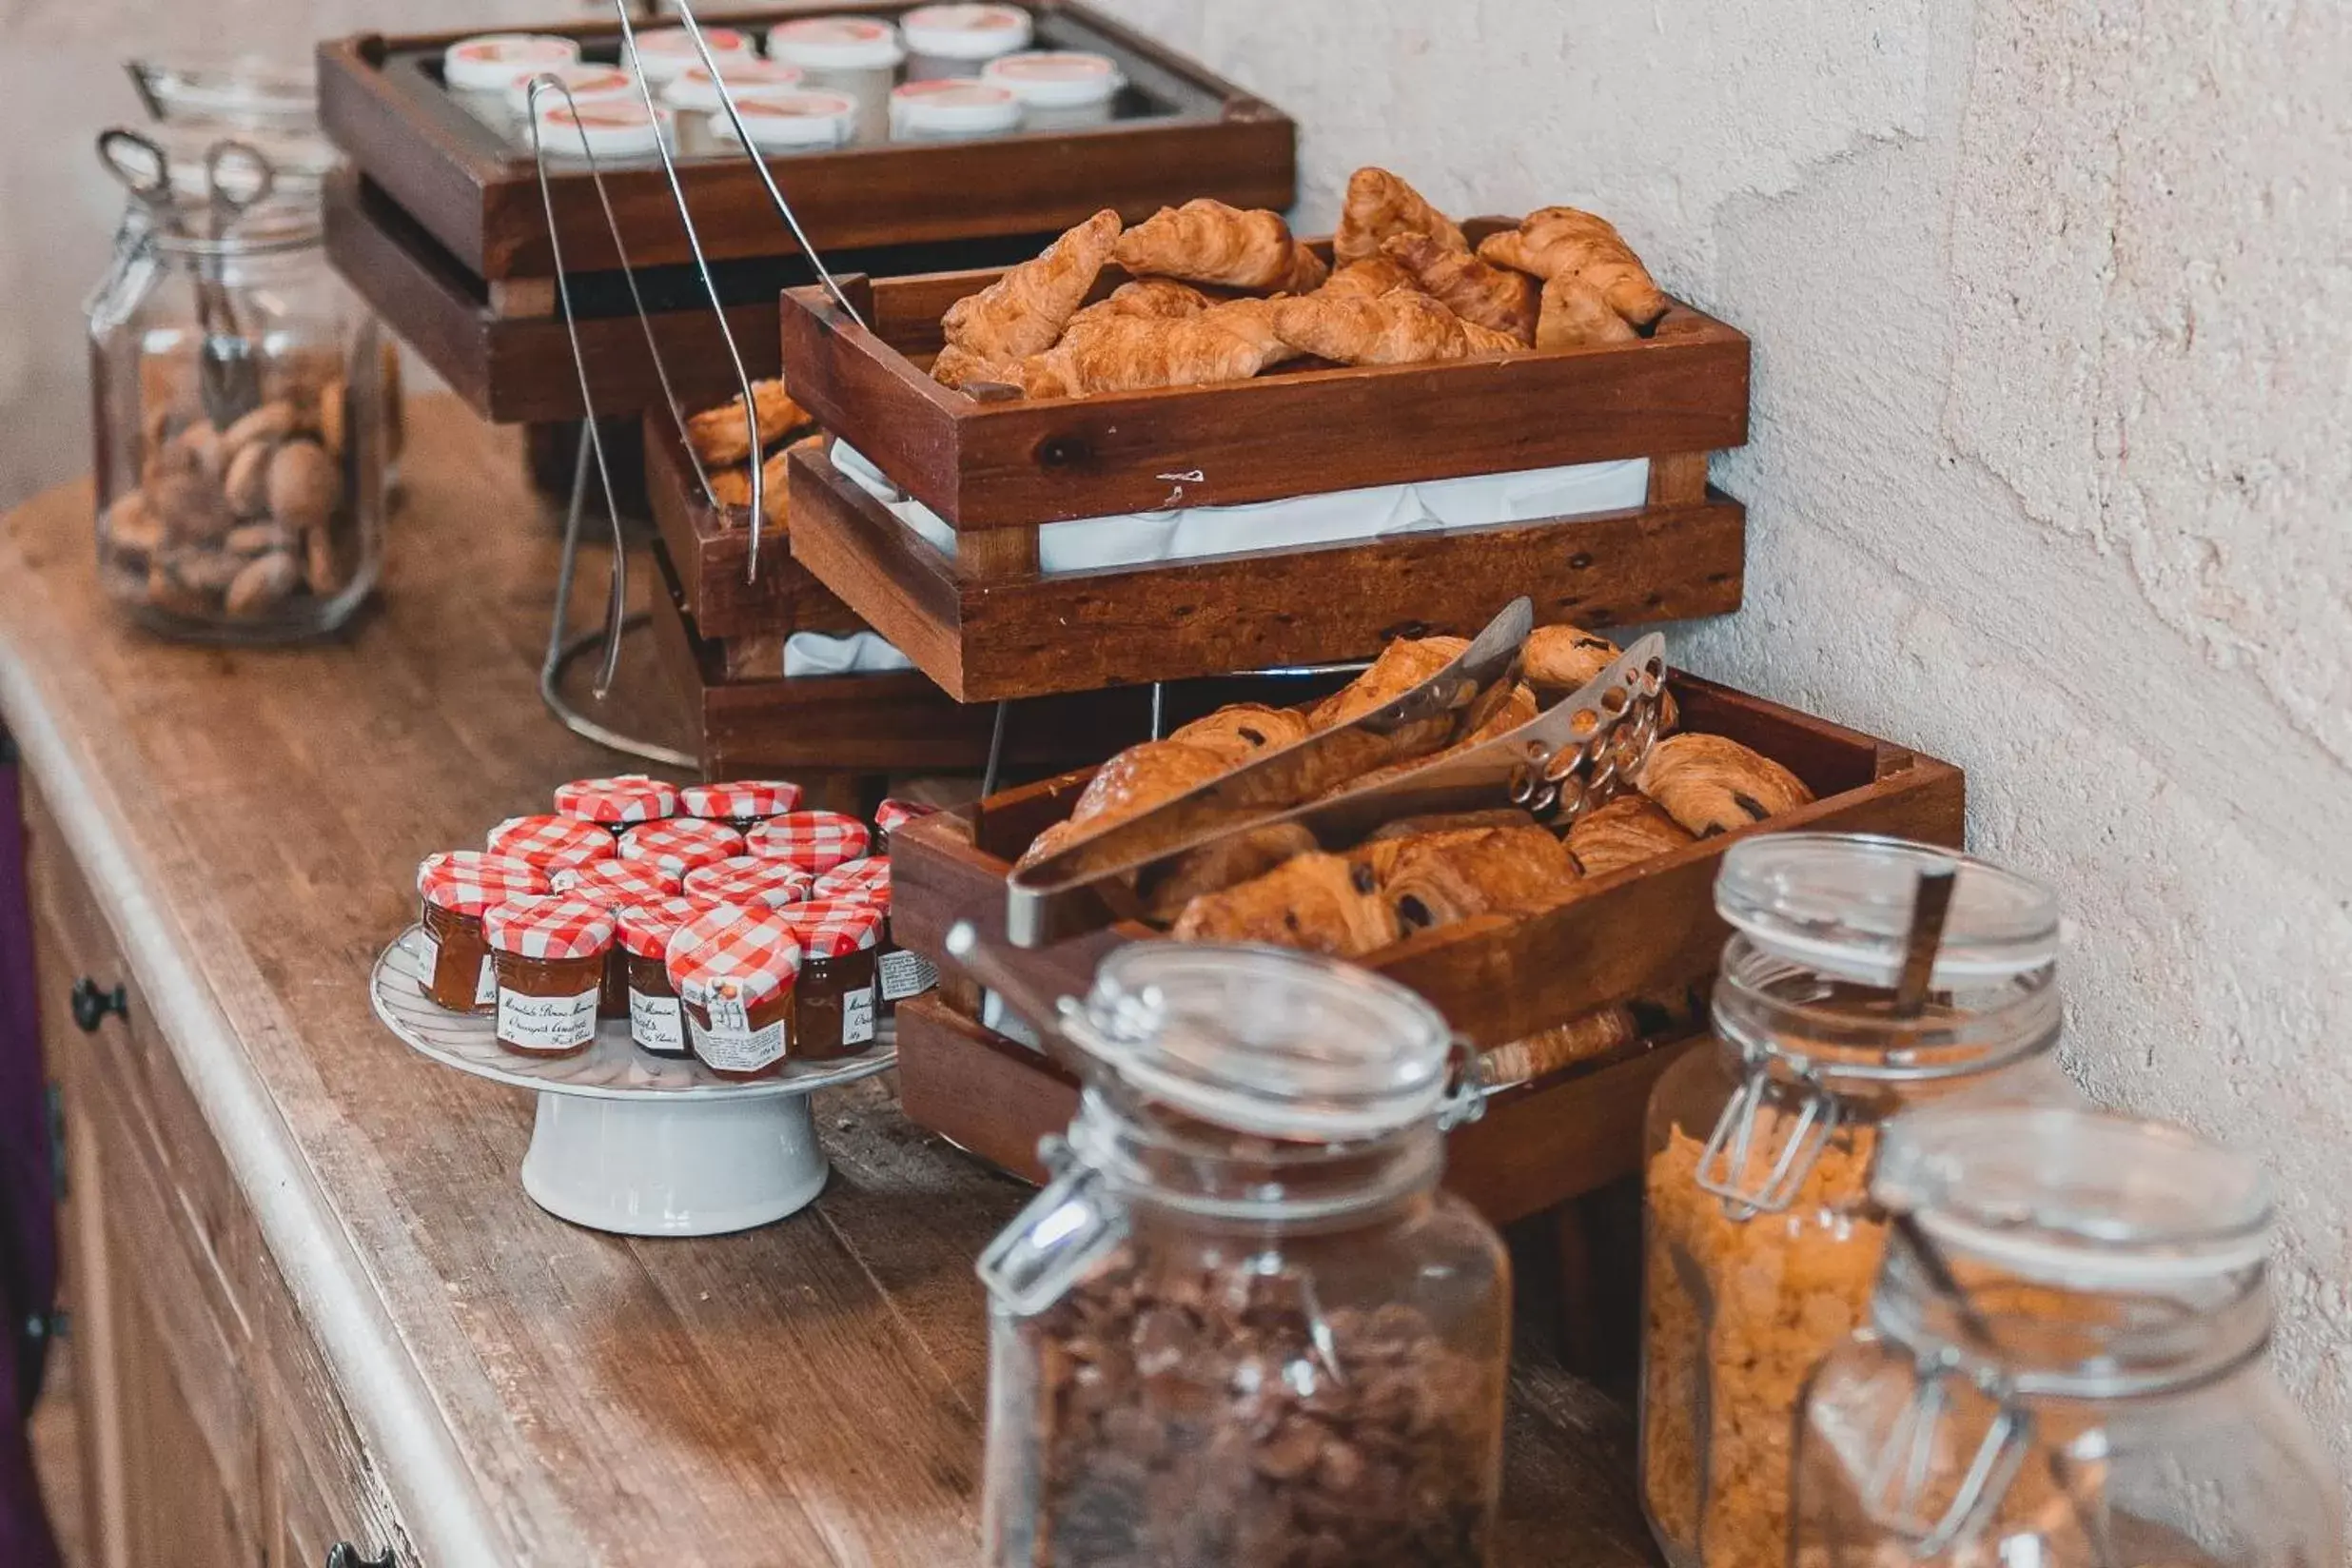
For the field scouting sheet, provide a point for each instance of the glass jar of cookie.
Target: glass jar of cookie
(1242, 1325)
(243, 416)
(1760, 1240)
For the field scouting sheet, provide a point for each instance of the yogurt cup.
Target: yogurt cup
(946, 110)
(958, 40)
(585, 79)
(613, 127)
(1057, 87)
(478, 71)
(790, 122)
(857, 56)
(666, 53)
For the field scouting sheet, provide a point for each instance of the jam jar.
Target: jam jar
(833, 1003)
(901, 974)
(814, 841)
(682, 845)
(656, 1022)
(457, 889)
(550, 955)
(616, 884)
(742, 804)
(617, 803)
(749, 880)
(553, 844)
(734, 970)
(893, 814)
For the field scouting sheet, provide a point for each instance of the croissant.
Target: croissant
(1481, 342)
(1450, 877)
(958, 367)
(1557, 240)
(732, 487)
(1624, 832)
(1507, 709)
(1228, 863)
(1495, 297)
(1370, 277)
(1159, 299)
(1574, 315)
(1402, 665)
(721, 437)
(1138, 353)
(1378, 205)
(1711, 785)
(1396, 328)
(1308, 271)
(1315, 902)
(1024, 312)
(1418, 827)
(1207, 242)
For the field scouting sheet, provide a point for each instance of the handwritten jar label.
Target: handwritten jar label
(546, 1023)
(657, 1024)
(857, 1016)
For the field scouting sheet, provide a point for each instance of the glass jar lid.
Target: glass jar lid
(1841, 904)
(1282, 1045)
(245, 92)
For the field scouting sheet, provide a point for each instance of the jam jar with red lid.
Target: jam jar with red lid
(657, 1022)
(734, 970)
(456, 891)
(893, 814)
(553, 844)
(900, 974)
(616, 884)
(833, 1011)
(750, 881)
(742, 804)
(549, 955)
(616, 803)
(814, 842)
(682, 845)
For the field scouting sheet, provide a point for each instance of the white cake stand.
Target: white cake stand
(625, 1142)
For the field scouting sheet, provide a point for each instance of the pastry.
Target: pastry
(1558, 661)
(1159, 299)
(1402, 665)
(1507, 708)
(1378, 205)
(1370, 277)
(1574, 315)
(1484, 342)
(1398, 327)
(721, 437)
(1132, 783)
(1711, 785)
(1416, 827)
(1580, 1039)
(1319, 903)
(1450, 877)
(1024, 312)
(1557, 240)
(1250, 725)
(1496, 297)
(959, 367)
(1207, 242)
(1228, 863)
(1308, 271)
(1625, 831)
(1227, 343)
(732, 487)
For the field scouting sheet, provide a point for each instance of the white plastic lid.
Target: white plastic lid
(836, 43)
(614, 127)
(1841, 904)
(787, 122)
(967, 32)
(585, 80)
(692, 88)
(496, 61)
(1056, 79)
(952, 107)
(663, 53)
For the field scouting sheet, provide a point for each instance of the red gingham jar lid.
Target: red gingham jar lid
(737, 802)
(632, 797)
(646, 929)
(682, 844)
(467, 882)
(551, 843)
(893, 814)
(554, 927)
(868, 881)
(614, 883)
(740, 955)
(834, 928)
(814, 841)
(748, 879)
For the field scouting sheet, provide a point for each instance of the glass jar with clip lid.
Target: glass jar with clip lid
(1864, 975)
(1242, 1325)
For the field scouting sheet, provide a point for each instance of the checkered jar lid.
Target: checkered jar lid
(551, 843)
(748, 879)
(868, 881)
(632, 797)
(740, 800)
(893, 814)
(737, 956)
(646, 929)
(616, 883)
(814, 841)
(834, 928)
(466, 882)
(682, 844)
(555, 927)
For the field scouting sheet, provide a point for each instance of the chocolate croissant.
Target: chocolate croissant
(1402, 665)
(1558, 661)
(1451, 877)
(1231, 861)
(1130, 784)
(1712, 785)
(1625, 831)
(1507, 708)
(1379, 204)
(721, 437)
(1024, 312)
(1565, 240)
(1319, 903)
(1495, 297)
(1207, 241)
(1253, 726)
(1573, 314)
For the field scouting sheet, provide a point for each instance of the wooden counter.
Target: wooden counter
(313, 1304)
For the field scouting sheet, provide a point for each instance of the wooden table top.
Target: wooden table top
(810, 1393)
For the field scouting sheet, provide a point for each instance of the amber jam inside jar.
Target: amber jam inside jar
(455, 890)
(656, 1020)
(735, 971)
(549, 956)
(899, 974)
(834, 1007)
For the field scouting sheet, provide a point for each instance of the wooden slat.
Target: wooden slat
(712, 555)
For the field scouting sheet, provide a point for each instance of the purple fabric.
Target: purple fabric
(27, 1201)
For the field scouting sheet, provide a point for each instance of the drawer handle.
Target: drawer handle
(344, 1554)
(92, 1005)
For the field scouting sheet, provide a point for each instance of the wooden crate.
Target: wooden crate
(1647, 931)
(712, 557)
(1182, 132)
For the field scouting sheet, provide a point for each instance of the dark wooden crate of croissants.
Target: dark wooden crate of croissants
(1613, 975)
(996, 467)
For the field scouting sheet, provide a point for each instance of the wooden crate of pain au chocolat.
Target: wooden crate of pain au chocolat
(1639, 944)
(988, 620)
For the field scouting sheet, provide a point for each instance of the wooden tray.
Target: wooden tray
(1183, 134)
(710, 557)
(503, 348)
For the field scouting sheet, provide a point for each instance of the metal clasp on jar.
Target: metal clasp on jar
(1896, 1492)
(1057, 1240)
(1804, 1118)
